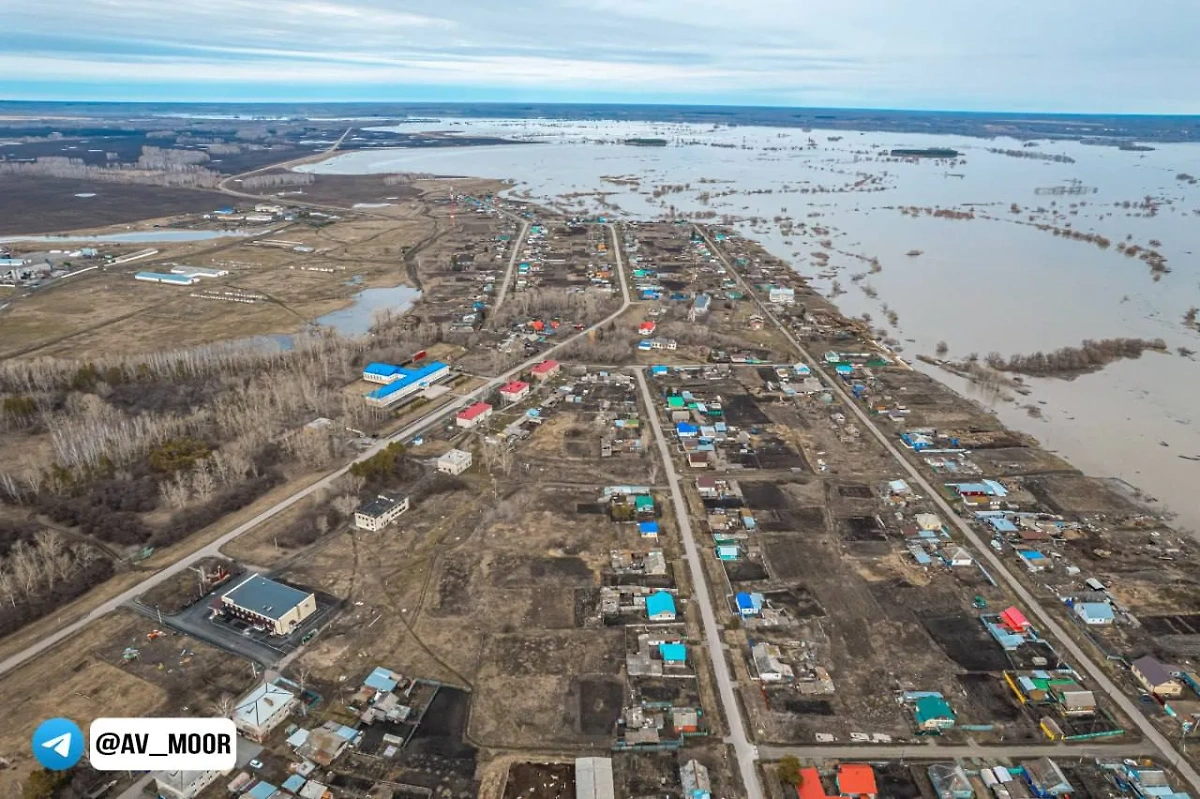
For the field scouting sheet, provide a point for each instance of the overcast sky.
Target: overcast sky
(1054, 55)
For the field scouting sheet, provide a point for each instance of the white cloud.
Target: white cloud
(1057, 55)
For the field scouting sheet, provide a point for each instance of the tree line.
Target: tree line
(1089, 356)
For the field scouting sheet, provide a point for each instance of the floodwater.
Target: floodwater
(356, 320)
(992, 283)
(140, 237)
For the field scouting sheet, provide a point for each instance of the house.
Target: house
(783, 295)
(701, 304)
(473, 415)
(455, 461)
(756, 322)
(594, 778)
(693, 776)
(1157, 677)
(699, 460)
(184, 784)
(647, 328)
(810, 786)
(685, 719)
(648, 529)
(932, 713)
(546, 370)
(929, 521)
(277, 607)
(377, 513)
(1098, 613)
(1074, 702)
(660, 606)
(515, 391)
(1014, 621)
(673, 653)
(857, 781)
(961, 557)
(262, 710)
(323, 746)
(767, 662)
(1045, 778)
(950, 781)
(749, 604)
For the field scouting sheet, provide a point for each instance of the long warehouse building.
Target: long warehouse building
(407, 382)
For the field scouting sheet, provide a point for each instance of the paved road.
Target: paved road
(746, 752)
(224, 184)
(213, 549)
(998, 567)
(923, 751)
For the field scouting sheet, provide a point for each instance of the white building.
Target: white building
(783, 295)
(456, 461)
(515, 391)
(475, 414)
(262, 710)
(593, 778)
(184, 784)
(770, 668)
(198, 271)
(377, 513)
(277, 607)
(693, 776)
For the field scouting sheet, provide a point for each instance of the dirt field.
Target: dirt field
(49, 205)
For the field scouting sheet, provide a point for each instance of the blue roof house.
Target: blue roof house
(648, 529)
(1095, 612)
(660, 606)
(673, 653)
(687, 430)
(749, 604)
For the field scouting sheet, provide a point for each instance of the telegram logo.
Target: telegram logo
(58, 744)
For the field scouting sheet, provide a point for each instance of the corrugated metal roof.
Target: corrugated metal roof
(265, 597)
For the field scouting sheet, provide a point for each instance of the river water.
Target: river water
(992, 283)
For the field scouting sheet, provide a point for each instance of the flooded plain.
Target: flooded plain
(1012, 248)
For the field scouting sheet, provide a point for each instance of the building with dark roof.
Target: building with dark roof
(277, 607)
(379, 511)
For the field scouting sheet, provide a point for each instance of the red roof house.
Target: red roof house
(857, 780)
(474, 414)
(546, 369)
(1014, 620)
(515, 391)
(810, 786)
(647, 327)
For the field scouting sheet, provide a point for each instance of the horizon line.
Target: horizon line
(606, 104)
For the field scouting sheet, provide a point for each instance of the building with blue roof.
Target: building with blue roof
(1098, 613)
(1000, 524)
(749, 604)
(381, 372)
(648, 529)
(660, 606)
(673, 653)
(382, 679)
(294, 783)
(261, 790)
(687, 430)
(408, 383)
(277, 607)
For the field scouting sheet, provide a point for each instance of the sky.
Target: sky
(1104, 56)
